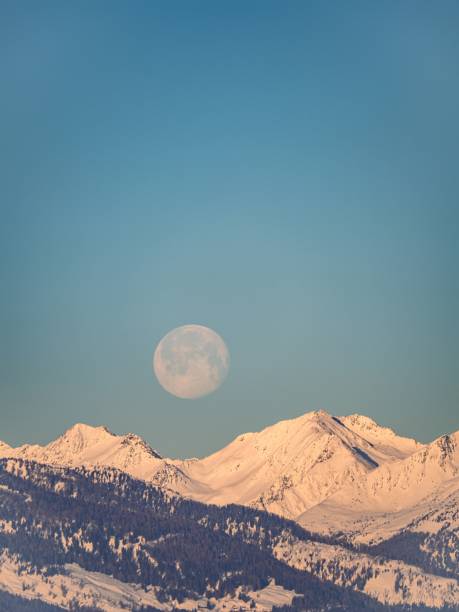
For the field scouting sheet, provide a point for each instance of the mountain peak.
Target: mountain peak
(81, 436)
(85, 429)
(139, 443)
(448, 442)
(365, 423)
(444, 452)
(401, 484)
(360, 419)
(377, 435)
(296, 463)
(318, 413)
(88, 445)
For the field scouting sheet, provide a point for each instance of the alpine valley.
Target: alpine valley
(318, 513)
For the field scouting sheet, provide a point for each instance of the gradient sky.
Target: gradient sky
(283, 172)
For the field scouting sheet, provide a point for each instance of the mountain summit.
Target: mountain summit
(296, 464)
(286, 468)
(93, 446)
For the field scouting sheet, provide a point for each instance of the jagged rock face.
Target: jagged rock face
(137, 444)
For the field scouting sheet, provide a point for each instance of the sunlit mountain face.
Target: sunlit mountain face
(320, 512)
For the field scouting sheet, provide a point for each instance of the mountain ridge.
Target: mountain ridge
(395, 496)
(381, 511)
(293, 464)
(303, 468)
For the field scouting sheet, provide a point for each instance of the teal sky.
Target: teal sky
(285, 173)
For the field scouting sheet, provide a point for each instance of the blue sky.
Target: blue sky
(283, 172)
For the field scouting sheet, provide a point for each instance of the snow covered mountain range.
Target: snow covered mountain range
(316, 461)
(331, 474)
(381, 511)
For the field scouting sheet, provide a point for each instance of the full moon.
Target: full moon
(191, 361)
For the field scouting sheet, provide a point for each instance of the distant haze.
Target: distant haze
(284, 173)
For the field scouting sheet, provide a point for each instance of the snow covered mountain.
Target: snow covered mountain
(96, 446)
(296, 464)
(329, 473)
(383, 438)
(404, 483)
(84, 445)
(381, 511)
(394, 496)
(286, 468)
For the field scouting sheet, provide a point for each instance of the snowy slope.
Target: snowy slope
(76, 586)
(378, 579)
(295, 464)
(48, 513)
(395, 496)
(382, 437)
(403, 483)
(116, 527)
